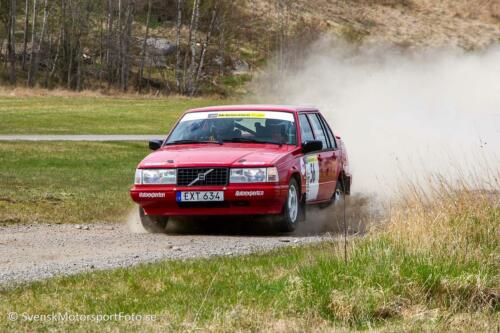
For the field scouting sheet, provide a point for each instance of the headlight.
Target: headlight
(156, 176)
(254, 175)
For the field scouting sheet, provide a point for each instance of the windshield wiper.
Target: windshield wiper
(179, 142)
(251, 141)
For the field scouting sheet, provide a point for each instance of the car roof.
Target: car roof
(256, 107)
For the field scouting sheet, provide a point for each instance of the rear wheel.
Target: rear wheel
(153, 224)
(292, 211)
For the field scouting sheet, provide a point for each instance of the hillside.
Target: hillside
(103, 46)
(408, 23)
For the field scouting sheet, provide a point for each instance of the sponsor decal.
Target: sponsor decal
(302, 167)
(249, 193)
(151, 195)
(154, 163)
(312, 177)
(252, 163)
(241, 115)
(312, 159)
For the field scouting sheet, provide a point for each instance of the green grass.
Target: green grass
(73, 182)
(93, 115)
(436, 270)
(387, 284)
(76, 182)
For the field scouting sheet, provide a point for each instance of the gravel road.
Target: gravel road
(90, 137)
(33, 252)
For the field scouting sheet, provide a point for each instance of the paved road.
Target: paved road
(90, 137)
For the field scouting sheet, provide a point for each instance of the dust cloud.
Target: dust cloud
(404, 115)
(134, 222)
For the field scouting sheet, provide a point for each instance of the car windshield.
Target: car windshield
(235, 126)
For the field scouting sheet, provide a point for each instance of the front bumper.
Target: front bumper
(247, 199)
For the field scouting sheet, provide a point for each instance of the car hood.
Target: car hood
(215, 155)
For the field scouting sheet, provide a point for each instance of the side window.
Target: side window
(305, 129)
(329, 133)
(319, 132)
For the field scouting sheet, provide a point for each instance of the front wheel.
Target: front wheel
(153, 224)
(289, 219)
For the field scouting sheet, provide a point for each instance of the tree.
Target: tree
(25, 34)
(82, 44)
(33, 48)
(127, 36)
(144, 44)
(204, 48)
(9, 18)
(35, 56)
(189, 71)
(178, 45)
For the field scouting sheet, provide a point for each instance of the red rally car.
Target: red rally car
(242, 160)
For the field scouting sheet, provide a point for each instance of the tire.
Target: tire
(335, 197)
(292, 212)
(153, 224)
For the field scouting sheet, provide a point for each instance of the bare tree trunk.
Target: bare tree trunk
(109, 37)
(101, 56)
(78, 65)
(82, 29)
(1, 49)
(34, 68)
(33, 42)
(144, 44)
(178, 44)
(47, 71)
(204, 48)
(25, 36)
(191, 42)
(222, 41)
(188, 82)
(127, 36)
(71, 48)
(120, 43)
(11, 41)
(56, 57)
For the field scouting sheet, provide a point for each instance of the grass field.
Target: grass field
(435, 267)
(93, 115)
(66, 182)
(77, 182)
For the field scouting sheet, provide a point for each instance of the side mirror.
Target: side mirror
(155, 144)
(310, 146)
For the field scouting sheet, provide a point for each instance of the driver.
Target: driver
(224, 129)
(276, 130)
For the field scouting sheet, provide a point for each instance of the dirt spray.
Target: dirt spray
(405, 116)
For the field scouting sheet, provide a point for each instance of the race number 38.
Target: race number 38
(312, 177)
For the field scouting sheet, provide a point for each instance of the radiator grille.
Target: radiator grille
(218, 176)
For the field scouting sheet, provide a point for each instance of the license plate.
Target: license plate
(200, 196)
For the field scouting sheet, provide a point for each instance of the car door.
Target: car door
(309, 163)
(327, 158)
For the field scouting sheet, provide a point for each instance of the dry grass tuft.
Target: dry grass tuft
(23, 92)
